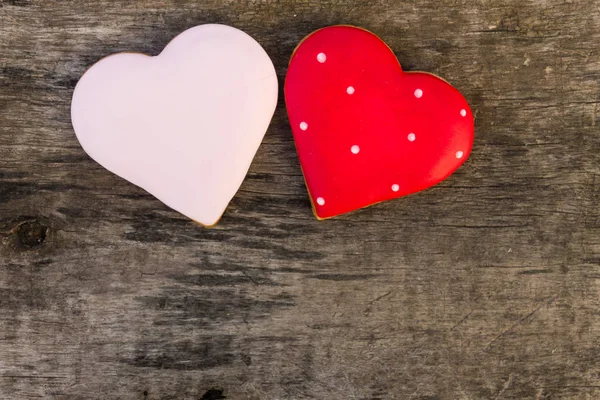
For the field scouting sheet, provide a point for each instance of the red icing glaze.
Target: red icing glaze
(355, 146)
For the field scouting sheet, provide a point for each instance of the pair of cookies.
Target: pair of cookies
(186, 124)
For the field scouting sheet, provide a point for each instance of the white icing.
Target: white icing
(321, 201)
(418, 93)
(355, 149)
(321, 57)
(411, 137)
(184, 125)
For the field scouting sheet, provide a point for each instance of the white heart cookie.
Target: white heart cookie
(183, 125)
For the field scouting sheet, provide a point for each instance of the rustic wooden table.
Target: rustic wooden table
(484, 287)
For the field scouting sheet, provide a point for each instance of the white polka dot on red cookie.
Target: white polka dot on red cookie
(355, 149)
(303, 126)
(321, 57)
(463, 112)
(411, 137)
(418, 93)
(320, 201)
(459, 154)
(350, 90)
(395, 187)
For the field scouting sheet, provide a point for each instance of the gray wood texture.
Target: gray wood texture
(484, 287)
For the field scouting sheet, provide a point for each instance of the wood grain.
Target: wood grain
(484, 287)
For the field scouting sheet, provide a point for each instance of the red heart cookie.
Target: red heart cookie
(366, 131)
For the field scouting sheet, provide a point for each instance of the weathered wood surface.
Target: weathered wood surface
(485, 287)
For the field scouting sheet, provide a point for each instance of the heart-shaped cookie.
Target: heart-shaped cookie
(183, 125)
(366, 131)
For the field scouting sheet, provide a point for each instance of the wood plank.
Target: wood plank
(485, 287)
